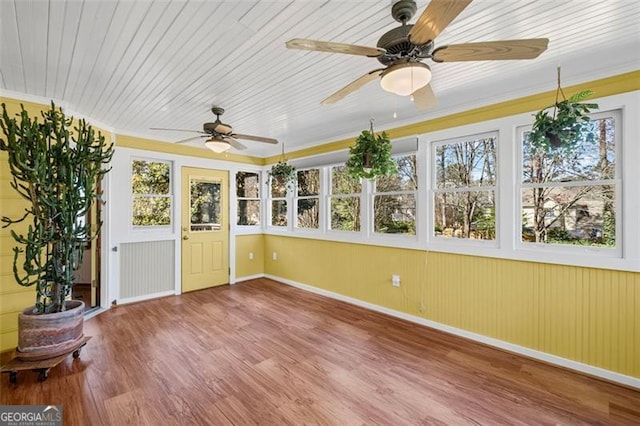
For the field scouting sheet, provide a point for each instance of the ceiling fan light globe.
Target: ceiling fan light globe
(404, 79)
(217, 145)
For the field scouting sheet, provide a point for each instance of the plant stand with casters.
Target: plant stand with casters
(41, 367)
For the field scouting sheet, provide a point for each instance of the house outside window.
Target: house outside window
(571, 197)
(151, 193)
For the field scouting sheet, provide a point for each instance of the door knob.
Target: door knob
(186, 237)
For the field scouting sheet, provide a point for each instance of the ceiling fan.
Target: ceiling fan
(402, 49)
(220, 135)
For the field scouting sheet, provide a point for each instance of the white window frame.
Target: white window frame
(238, 199)
(293, 216)
(372, 193)
(170, 196)
(330, 195)
(433, 190)
(268, 224)
(617, 183)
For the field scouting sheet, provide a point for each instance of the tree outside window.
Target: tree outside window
(151, 191)
(308, 198)
(344, 200)
(569, 195)
(278, 200)
(465, 187)
(248, 196)
(394, 199)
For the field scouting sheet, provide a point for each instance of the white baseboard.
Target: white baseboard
(146, 297)
(248, 277)
(531, 353)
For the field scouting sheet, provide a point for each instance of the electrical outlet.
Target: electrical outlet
(274, 256)
(250, 255)
(395, 280)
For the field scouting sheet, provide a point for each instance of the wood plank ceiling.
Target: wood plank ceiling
(133, 65)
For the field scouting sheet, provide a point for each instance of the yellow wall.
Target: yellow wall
(246, 244)
(582, 314)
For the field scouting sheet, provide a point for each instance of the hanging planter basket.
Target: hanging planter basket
(371, 157)
(560, 126)
(283, 172)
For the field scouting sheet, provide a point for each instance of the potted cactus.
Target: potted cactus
(57, 169)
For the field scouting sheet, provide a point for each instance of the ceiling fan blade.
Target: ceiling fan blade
(255, 138)
(177, 130)
(234, 143)
(491, 50)
(424, 98)
(353, 86)
(222, 128)
(328, 46)
(192, 138)
(435, 18)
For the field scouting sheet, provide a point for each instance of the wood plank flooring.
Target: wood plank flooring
(265, 353)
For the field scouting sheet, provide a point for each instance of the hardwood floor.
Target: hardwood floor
(261, 352)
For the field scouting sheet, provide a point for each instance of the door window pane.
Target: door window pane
(205, 202)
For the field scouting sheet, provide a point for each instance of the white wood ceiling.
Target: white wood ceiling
(133, 65)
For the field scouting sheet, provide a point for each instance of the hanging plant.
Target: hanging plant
(283, 172)
(370, 157)
(562, 128)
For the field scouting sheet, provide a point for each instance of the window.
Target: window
(394, 199)
(248, 195)
(464, 188)
(344, 200)
(278, 194)
(205, 200)
(569, 197)
(151, 190)
(308, 199)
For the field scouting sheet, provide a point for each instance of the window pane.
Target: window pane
(342, 183)
(395, 214)
(150, 177)
(278, 188)
(248, 212)
(345, 213)
(466, 164)
(247, 185)
(468, 214)
(578, 215)
(405, 180)
(308, 182)
(592, 159)
(151, 211)
(308, 213)
(205, 199)
(279, 213)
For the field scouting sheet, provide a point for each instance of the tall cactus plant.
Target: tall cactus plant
(57, 169)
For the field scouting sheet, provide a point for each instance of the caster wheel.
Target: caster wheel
(13, 377)
(42, 376)
(76, 354)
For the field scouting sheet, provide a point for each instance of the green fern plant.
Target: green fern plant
(370, 157)
(57, 169)
(561, 127)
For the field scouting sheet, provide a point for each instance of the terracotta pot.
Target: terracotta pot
(44, 336)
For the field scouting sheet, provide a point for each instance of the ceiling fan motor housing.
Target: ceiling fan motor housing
(398, 47)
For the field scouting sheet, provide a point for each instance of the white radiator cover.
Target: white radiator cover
(146, 268)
